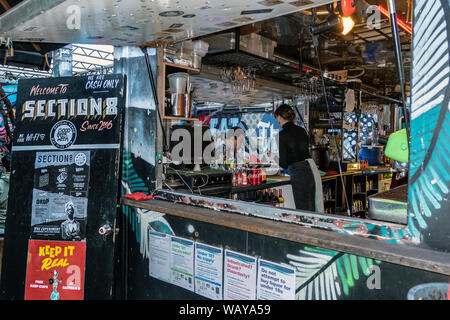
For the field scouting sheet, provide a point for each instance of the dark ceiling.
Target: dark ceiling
(26, 54)
(364, 52)
(367, 54)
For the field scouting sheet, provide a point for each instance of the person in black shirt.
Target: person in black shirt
(293, 146)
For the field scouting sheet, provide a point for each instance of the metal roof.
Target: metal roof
(135, 22)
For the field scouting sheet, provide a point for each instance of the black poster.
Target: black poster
(60, 195)
(65, 174)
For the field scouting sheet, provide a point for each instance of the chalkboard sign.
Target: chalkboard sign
(64, 188)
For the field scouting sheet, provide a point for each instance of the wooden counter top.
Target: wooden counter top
(405, 255)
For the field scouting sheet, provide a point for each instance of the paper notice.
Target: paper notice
(275, 281)
(239, 276)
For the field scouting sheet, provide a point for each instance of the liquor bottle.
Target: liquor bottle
(259, 176)
(275, 198)
(280, 198)
(264, 176)
(234, 178)
(239, 177)
(244, 177)
(270, 196)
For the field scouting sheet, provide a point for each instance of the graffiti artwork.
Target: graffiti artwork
(429, 179)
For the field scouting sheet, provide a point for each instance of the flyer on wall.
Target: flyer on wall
(239, 281)
(60, 195)
(55, 270)
(208, 271)
(182, 263)
(275, 281)
(159, 255)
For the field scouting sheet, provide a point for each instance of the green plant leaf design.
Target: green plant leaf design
(324, 274)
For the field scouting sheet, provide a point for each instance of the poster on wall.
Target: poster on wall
(239, 281)
(159, 255)
(275, 281)
(182, 263)
(55, 270)
(60, 195)
(65, 163)
(208, 271)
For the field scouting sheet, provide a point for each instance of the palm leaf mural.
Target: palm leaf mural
(131, 183)
(323, 274)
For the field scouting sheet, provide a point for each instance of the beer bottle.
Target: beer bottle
(275, 198)
(280, 198)
(264, 176)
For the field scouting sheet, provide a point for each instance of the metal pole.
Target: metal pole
(398, 57)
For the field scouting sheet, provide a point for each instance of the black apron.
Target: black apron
(303, 185)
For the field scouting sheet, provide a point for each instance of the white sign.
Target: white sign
(208, 271)
(275, 281)
(182, 263)
(239, 276)
(159, 261)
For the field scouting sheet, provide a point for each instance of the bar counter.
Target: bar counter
(406, 255)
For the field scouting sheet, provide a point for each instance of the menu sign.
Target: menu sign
(66, 151)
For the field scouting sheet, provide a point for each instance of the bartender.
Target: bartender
(293, 146)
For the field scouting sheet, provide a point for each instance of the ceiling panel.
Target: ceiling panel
(132, 22)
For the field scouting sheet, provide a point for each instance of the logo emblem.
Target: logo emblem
(80, 159)
(63, 134)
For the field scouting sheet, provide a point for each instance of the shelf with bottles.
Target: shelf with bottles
(330, 193)
(359, 185)
(372, 184)
(270, 196)
(243, 176)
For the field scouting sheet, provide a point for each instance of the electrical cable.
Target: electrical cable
(170, 188)
(181, 178)
(329, 113)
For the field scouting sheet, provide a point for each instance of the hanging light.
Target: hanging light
(339, 20)
(346, 8)
(337, 23)
(348, 24)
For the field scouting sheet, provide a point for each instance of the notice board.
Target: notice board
(64, 188)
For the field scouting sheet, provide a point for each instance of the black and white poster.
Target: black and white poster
(60, 195)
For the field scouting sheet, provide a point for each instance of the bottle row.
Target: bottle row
(248, 176)
(370, 185)
(358, 205)
(272, 197)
